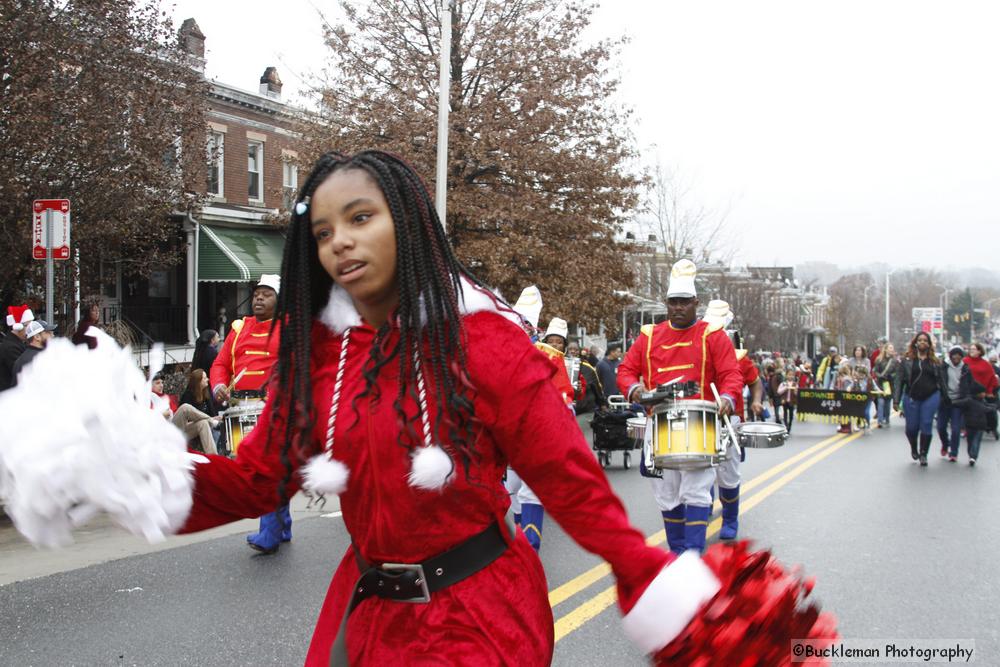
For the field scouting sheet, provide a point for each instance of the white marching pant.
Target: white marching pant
(690, 487)
(728, 472)
(519, 491)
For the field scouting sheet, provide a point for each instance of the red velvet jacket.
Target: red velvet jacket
(500, 615)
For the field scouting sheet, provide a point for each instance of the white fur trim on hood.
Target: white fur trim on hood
(339, 313)
(670, 601)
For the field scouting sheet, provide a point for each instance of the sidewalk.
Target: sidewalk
(101, 541)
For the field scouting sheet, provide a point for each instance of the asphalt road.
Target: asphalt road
(899, 552)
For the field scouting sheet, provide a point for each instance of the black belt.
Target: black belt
(414, 582)
(249, 393)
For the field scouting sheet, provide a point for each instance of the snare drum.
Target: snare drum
(635, 428)
(240, 420)
(761, 435)
(686, 435)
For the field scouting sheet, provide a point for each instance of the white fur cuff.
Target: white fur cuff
(670, 601)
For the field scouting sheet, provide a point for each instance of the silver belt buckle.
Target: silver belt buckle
(421, 581)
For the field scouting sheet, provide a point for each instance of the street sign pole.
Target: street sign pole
(50, 267)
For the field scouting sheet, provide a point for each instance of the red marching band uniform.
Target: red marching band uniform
(663, 353)
(249, 347)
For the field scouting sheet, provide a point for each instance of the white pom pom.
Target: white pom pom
(325, 475)
(431, 468)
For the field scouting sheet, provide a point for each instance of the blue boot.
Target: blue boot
(730, 512)
(673, 523)
(695, 526)
(272, 527)
(532, 516)
(286, 517)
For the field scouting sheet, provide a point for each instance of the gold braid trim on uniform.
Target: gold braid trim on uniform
(673, 345)
(704, 359)
(647, 329)
(680, 367)
(237, 328)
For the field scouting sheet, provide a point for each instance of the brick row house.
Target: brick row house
(250, 178)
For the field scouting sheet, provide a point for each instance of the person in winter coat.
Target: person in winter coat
(920, 378)
(950, 412)
(90, 318)
(788, 394)
(826, 372)
(984, 373)
(972, 402)
(884, 371)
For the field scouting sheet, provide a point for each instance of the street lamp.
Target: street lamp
(888, 273)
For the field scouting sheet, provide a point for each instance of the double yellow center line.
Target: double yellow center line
(593, 606)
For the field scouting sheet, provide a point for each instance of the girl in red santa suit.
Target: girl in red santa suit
(406, 387)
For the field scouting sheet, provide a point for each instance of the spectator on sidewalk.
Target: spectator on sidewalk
(197, 415)
(90, 318)
(13, 344)
(37, 333)
(206, 349)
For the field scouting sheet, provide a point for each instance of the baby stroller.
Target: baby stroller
(611, 432)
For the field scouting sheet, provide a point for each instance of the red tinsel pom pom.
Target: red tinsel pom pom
(753, 618)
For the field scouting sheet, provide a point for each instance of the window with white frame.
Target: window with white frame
(216, 164)
(255, 170)
(289, 182)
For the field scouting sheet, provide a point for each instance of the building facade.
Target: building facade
(250, 180)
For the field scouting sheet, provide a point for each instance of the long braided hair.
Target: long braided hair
(428, 277)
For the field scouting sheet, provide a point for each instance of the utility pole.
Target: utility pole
(444, 85)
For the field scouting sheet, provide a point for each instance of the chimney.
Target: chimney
(270, 83)
(191, 39)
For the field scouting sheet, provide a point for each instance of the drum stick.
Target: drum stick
(729, 425)
(236, 379)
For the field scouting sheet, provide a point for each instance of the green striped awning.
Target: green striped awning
(238, 254)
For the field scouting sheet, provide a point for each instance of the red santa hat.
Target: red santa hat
(18, 316)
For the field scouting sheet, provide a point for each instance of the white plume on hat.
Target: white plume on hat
(718, 314)
(682, 279)
(557, 327)
(271, 280)
(529, 304)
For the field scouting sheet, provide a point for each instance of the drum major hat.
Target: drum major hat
(682, 280)
(557, 327)
(529, 304)
(271, 280)
(718, 314)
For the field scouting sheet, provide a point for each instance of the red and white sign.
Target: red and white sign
(60, 228)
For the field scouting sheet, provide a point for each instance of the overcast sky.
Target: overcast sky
(850, 131)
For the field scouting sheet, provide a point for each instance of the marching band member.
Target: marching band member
(719, 316)
(683, 348)
(250, 349)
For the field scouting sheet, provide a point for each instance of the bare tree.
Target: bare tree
(683, 227)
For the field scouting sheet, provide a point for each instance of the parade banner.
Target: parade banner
(831, 406)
